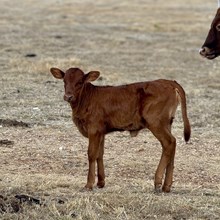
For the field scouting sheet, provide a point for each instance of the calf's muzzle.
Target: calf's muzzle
(68, 98)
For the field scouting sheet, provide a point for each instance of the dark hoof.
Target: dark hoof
(166, 189)
(101, 184)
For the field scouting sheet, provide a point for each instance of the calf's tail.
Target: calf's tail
(187, 127)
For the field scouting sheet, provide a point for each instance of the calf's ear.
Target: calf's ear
(57, 73)
(91, 76)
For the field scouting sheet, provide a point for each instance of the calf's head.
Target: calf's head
(74, 79)
(211, 46)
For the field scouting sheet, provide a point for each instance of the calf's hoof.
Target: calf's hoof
(84, 189)
(88, 187)
(101, 184)
(157, 188)
(166, 189)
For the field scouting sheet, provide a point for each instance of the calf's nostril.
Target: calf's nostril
(68, 98)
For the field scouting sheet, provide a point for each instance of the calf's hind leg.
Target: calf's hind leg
(169, 173)
(166, 164)
(100, 165)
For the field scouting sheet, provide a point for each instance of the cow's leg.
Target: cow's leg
(100, 165)
(169, 173)
(168, 142)
(93, 154)
(170, 167)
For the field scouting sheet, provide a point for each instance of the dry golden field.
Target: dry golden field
(42, 155)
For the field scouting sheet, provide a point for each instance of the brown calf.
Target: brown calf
(98, 110)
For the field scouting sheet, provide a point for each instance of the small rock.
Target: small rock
(6, 142)
(30, 55)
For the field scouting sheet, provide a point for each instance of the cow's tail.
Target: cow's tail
(187, 127)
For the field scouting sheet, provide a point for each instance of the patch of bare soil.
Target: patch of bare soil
(43, 156)
(13, 123)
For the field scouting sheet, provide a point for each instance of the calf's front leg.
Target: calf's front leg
(93, 155)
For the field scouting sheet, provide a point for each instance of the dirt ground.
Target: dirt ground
(43, 156)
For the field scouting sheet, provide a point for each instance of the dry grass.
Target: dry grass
(127, 42)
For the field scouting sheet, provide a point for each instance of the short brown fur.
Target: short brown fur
(98, 110)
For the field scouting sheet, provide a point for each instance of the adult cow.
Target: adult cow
(211, 47)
